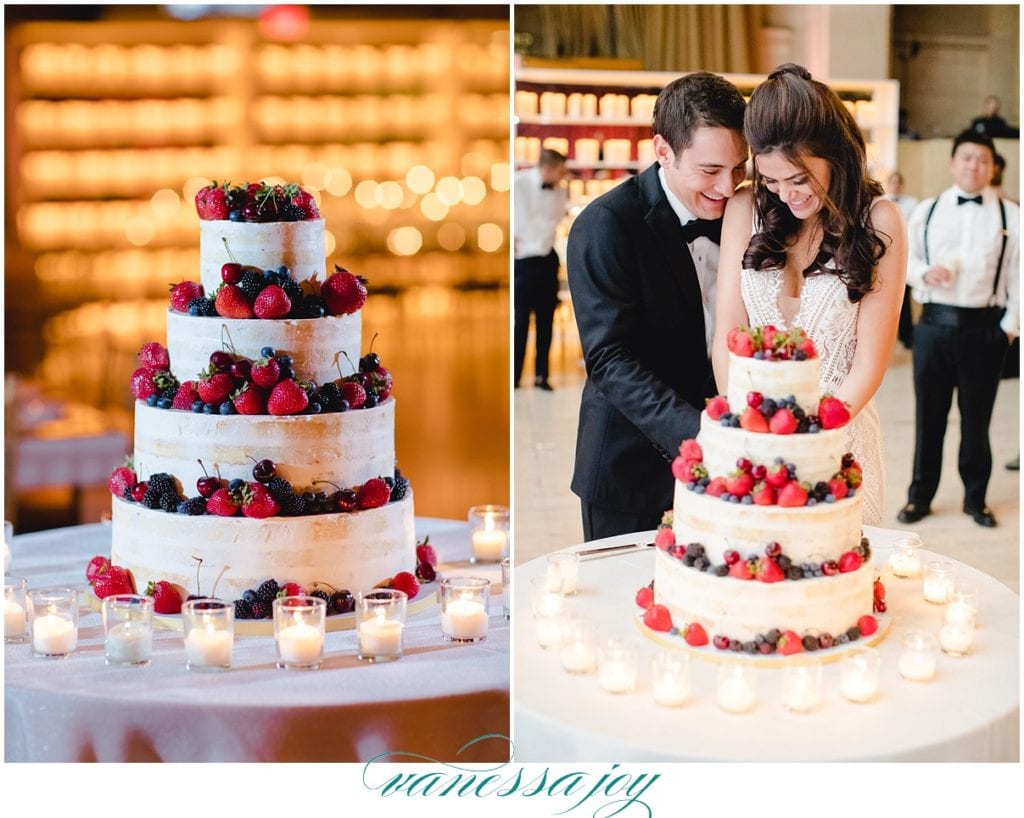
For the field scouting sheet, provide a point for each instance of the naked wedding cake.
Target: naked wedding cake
(264, 441)
(763, 551)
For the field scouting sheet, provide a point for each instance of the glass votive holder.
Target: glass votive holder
(488, 531)
(737, 687)
(506, 587)
(15, 615)
(801, 684)
(563, 571)
(299, 631)
(209, 626)
(8, 536)
(53, 621)
(962, 604)
(956, 635)
(616, 666)
(128, 629)
(938, 581)
(464, 608)
(859, 672)
(380, 623)
(551, 630)
(545, 601)
(905, 559)
(670, 678)
(920, 653)
(579, 647)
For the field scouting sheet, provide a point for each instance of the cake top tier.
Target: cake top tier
(774, 365)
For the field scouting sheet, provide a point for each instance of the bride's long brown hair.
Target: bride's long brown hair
(798, 117)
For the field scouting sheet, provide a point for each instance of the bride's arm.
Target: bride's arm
(879, 314)
(729, 309)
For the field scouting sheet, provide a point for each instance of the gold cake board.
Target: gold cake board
(709, 653)
(265, 627)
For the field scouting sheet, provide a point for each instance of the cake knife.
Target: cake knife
(609, 550)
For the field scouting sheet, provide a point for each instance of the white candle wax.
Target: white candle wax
(489, 544)
(958, 613)
(670, 690)
(464, 619)
(563, 575)
(858, 687)
(53, 634)
(917, 666)
(380, 637)
(735, 695)
(549, 633)
(129, 643)
(905, 565)
(937, 589)
(579, 658)
(14, 619)
(300, 644)
(956, 637)
(208, 647)
(801, 695)
(616, 676)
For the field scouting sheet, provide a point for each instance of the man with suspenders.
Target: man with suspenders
(964, 269)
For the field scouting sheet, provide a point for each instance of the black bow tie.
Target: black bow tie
(703, 227)
(547, 186)
(965, 199)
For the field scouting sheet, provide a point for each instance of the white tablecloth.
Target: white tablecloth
(434, 700)
(968, 712)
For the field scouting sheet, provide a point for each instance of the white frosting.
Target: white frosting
(773, 379)
(299, 245)
(313, 343)
(346, 448)
(816, 456)
(348, 551)
(741, 609)
(806, 533)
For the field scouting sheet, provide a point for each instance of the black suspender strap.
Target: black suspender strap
(927, 220)
(1002, 250)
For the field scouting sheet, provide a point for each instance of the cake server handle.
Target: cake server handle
(608, 550)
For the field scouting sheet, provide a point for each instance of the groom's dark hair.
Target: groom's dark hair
(695, 101)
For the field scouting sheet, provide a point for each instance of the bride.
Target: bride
(811, 244)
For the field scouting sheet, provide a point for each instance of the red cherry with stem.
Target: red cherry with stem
(264, 471)
(759, 472)
(754, 399)
(731, 557)
(220, 360)
(231, 272)
(139, 491)
(207, 485)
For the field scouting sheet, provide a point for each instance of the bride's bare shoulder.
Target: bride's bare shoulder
(738, 210)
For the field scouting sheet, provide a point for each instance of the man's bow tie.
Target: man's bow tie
(965, 199)
(703, 227)
(547, 186)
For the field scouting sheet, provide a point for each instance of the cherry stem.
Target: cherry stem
(229, 344)
(374, 338)
(354, 367)
(328, 482)
(213, 592)
(199, 564)
(228, 248)
(205, 472)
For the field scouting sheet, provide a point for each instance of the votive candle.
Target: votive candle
(670, 678)
(938, 581)
(15, 615)
(616, 666)
(859, 672)
(737, 687)
(53, 621)
(918, 659)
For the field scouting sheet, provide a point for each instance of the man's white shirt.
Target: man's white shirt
(970, 235)
(537, 213)
(705, 259)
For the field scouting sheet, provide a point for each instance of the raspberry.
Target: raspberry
(184, 293)
(404, 581)
(374, 493)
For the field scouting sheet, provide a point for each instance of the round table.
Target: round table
(969, 711)
(438, 697)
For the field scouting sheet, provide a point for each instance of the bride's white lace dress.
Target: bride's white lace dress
(826, 314)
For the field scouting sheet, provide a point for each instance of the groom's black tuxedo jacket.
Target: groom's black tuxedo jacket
(641, 322)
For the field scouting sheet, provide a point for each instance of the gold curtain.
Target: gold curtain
(666, 38)
(699, 38)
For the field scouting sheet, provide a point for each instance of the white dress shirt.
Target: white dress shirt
(705, 259)
(968, 237)
(537, 213)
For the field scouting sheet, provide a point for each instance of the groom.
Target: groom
(642, 264)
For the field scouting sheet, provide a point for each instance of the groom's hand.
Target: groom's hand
(938, 276)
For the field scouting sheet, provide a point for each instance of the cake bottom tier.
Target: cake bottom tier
(741, 609)
(352, 551)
